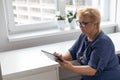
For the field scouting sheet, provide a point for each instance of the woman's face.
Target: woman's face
(86, 25)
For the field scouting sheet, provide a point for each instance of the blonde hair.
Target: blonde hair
(89, 12)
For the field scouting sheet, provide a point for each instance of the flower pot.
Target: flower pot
(73, 24)
(61, 24)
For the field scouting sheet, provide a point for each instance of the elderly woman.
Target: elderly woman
(93, 49)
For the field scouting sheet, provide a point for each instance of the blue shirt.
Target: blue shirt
(99, 54)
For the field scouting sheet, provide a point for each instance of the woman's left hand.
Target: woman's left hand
(65, 64)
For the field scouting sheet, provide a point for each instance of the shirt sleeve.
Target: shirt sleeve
(100, 55)
(75, 47)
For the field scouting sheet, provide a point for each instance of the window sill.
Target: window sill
(56, 32)
(40, 34)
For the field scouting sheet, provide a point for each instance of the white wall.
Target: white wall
(5, 44)
(3, 32)
(118, 15)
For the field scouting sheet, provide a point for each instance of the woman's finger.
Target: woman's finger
(57, 54)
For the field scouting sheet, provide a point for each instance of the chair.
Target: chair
(118, 57)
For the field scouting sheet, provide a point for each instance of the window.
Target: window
(28, 15)
(102, 5)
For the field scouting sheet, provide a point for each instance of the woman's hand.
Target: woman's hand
(84, 70)
(64, 63)
(59, 56)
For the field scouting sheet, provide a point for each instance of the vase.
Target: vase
(73, 24)
(61, 24)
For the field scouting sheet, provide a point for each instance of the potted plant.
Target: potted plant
(61, 22)
(59, 17)
(71, 16)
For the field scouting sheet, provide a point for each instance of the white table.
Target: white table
(116, 40)
(32, 64)
(26, 63)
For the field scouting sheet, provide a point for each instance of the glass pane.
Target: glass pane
(72, 5)
(33, 11)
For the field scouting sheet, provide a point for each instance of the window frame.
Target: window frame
(12, 29)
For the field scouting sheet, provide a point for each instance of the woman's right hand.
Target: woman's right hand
(59, 55)
(66, 56)
(64, 63)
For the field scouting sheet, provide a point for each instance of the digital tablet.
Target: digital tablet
(50, 55)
